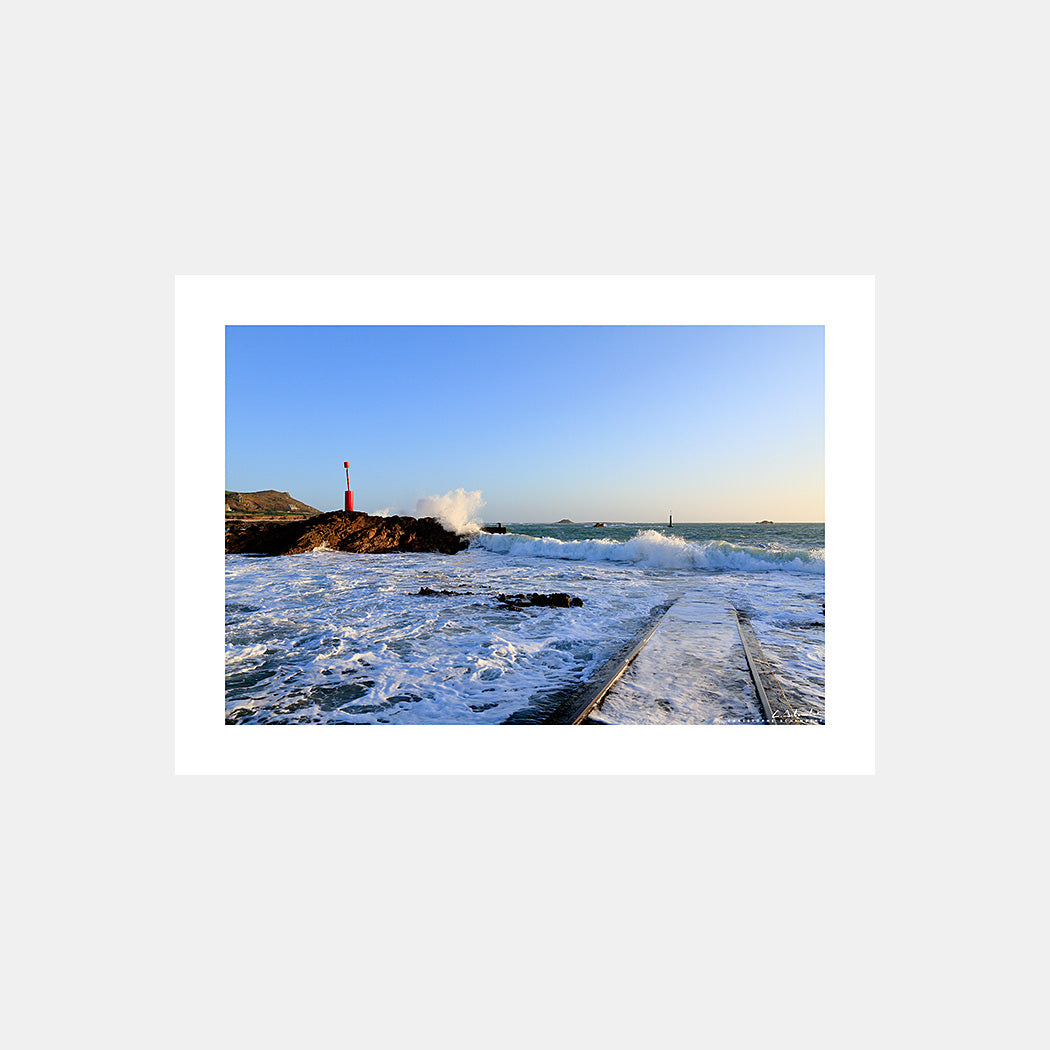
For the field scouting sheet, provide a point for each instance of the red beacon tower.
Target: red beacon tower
(348, 500)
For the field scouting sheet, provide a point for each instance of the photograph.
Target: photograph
(450, 524)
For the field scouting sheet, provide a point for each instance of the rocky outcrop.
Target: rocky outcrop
(558, 600)
(357, 533)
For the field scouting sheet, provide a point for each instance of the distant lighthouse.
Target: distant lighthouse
(348, 500)
(670, 523)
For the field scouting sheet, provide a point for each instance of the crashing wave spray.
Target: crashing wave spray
(459, 510)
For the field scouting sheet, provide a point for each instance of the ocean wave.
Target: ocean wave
(656, 550)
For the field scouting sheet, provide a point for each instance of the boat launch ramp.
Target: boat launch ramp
(695, 660)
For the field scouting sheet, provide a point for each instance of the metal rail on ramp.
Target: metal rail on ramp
(591, 693)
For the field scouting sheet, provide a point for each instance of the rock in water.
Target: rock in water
(560, 600)
(356, 532)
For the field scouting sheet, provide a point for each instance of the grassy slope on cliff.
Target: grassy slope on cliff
(266, 502)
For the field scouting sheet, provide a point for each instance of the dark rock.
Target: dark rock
(599, 524)
(499, 529)
(563, 521)
(355, 532)
(560, 600)
(766, 522)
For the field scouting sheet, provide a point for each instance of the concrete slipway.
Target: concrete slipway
(699, 662)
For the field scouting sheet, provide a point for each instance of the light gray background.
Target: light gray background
(566, 138)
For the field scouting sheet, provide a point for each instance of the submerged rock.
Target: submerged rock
(355, 532)
(556, 601)
(559, 600)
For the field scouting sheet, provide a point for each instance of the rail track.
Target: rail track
(580, 705)
(778, 708)
(577, 706)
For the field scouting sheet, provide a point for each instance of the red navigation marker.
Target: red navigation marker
(348, 501)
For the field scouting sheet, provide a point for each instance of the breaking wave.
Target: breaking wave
(658, 551)
(458, 509)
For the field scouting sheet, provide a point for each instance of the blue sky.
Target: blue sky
(624, 423)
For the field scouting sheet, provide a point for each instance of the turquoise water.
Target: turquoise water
(803, 535)
(690, 545)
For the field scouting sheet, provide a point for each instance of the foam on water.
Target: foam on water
(332, 637)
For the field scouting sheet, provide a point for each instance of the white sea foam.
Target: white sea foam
(656, 550)
(361, 644)
(458, 509)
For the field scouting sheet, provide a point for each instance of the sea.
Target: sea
(335, 638)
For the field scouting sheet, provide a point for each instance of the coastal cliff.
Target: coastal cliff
(356, 532)
(268, 502)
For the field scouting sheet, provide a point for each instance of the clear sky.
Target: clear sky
(624, 423)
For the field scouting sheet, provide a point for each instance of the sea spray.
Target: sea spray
(459, 510)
